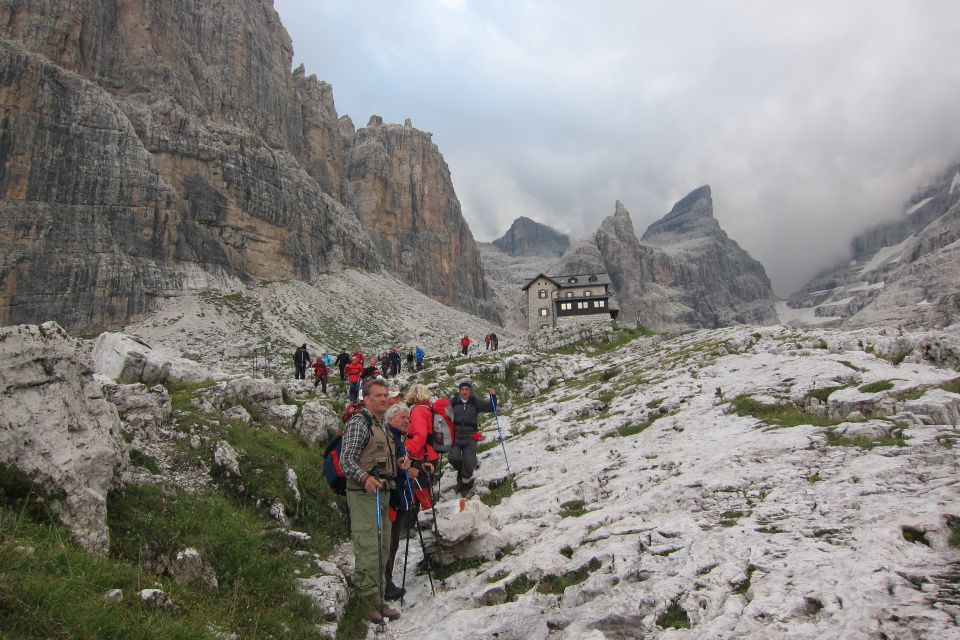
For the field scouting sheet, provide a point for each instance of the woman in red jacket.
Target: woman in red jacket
(420, 432)
(353, 371)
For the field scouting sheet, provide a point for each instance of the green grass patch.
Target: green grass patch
(823, 393)
(492, 443)
(815, 477)
(632, 428)
(498, 492)
(573, 509)
(518, 587)
(876, 387)
(556, 585)
(850, 365)
(778, 415)
(675, 617)
(954, 524)
(607, 397)
(742, 586)
(566, 551)
(456, 566)
(895, 439)
(653, 404)
(141, 459)
(953, 386)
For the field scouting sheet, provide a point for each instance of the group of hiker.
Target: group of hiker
(390, 455)
(354, 368)
(490, 340)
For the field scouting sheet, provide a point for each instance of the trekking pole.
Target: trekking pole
(406, 552)
(493, 403)
(436, 530)
(426, 558)
(376, 476)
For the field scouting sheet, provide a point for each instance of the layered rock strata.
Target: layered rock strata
(148, 148)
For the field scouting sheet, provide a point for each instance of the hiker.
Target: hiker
(370, 463)
(328, 360)
(464, 344)
(419, 354)
(395, 362)
(385, 364)
(354, 371)
(410, 358)
(420, 433)
(486, 340)
(320, 372)
(463, 454)
(494, 342)
(397, 417)
(301, 358)
(342, 361)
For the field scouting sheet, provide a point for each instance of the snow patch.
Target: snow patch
(918, 206)
(884, 255)
(804, 315)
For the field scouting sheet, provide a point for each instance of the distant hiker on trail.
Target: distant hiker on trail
(301, 358)
(494, 341)
(419, 354)
(486, 340)
(464, 344)
(370, 463)
(385, 364)
(320, 373)
(357, 354)
(354, 371)
(395, 362)
(410, 358)
(342, 361)
(402, 502)
(463, 454)
(328, 360)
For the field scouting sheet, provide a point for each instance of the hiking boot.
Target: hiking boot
(375, 617)
(390, 613)
(393, 592)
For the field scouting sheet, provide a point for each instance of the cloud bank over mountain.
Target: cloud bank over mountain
(810, 121)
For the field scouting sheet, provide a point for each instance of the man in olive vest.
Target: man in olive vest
(369, 462)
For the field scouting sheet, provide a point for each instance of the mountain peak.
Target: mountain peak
(692, 215)
(528, 237)
(620, 210)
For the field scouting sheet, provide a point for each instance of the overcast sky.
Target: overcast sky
(811, 120)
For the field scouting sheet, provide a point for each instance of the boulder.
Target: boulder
(127, 359)
(467, 533)
(225, 457)
(316, 423)
(138, 405)
(188, 568)
(257, 391)
(57, 428)
(283, 414)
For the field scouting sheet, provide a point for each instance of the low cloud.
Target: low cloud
(811, 121)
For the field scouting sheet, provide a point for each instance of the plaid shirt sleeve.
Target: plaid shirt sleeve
(356, 435)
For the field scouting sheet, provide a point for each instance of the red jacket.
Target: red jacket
(464, 341)
(353, 371)
(320, 369)
(421, 426)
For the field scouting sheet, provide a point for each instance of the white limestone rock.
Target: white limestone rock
(316, 423)
(57, 428)
(260, 392)
(328, 593)
(127, 359)
(225, 457)
(237, 412)
(138, 405)
(188, 568)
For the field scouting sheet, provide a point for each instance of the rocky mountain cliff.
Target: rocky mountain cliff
(906, 272)
(148, 149)
(684, 273)
(526, 237)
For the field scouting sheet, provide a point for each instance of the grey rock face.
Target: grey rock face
(526, 237)
(685, 273)
(403, 194)
(155, 148)
(57, 428)
(905, 273)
